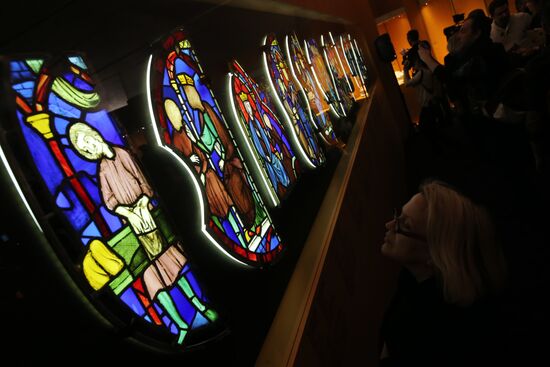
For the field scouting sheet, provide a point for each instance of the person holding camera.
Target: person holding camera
(413, 38)
(434, 108)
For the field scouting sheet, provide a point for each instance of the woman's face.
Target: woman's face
(404, 242)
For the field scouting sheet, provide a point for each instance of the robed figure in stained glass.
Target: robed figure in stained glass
(291, 97)
(272, 154)
(125, 191)
(191, 123)
(122, 238)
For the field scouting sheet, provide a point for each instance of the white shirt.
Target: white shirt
(514, 34)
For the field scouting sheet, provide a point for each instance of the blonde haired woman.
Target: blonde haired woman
(444, 310)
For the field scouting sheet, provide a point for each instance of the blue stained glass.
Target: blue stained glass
(80, 164)
(181, 67)
(197, 121)
(41, 154)
(229, 230)
(102, 122)
(130, 298)
(157, 308)
(185, 269)
(22, 76)
(91, 187)
(205, 93)
(64, 141)
(26, 89)
(17, 66)
(166, 320)
(61, 125)
(85, 241)
(77, 215)
(70, 77)
(82, 85)
(199, 321)
(60, 107)
(91, 230)
(174, 329)
(193, 282)
(274, 242)
(62, 202)
(166, 79)
(168, 92)
(77, 60)
(185, 308)
(113, 222)
(262, 245)
(216, 159)
(148, 319)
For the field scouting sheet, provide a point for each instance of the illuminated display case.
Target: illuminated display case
(197, 210)
(187, 119)
(118, 238)
(301, 69)
(270, 152)
(292, 103)
(351, 67)
(338, 76)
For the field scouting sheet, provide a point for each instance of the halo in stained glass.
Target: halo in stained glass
(188, 121)
(301, 70)
(347, 61)
(121, 241)
(338, 76)
(271, 156)
(319, 69)
(292, 102)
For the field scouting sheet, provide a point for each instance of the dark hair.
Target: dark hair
(481, 22)
(496, 4)
(413, 35)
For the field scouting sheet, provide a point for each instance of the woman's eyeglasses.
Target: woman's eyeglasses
(401, 231)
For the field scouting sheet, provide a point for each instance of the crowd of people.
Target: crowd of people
(471, 240)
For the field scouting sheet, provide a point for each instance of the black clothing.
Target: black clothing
(472, 77)
(421, 329)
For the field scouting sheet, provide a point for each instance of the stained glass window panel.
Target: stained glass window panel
(337, 75)
(346, 60)
(293, 103)
(320, 71)
(272, 157)
(189, 121)
(319, 108)
(361, 61)
(353, 60)
(121, 241)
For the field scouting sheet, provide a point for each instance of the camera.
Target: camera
(411, 56)
(458, 19)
